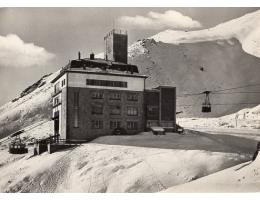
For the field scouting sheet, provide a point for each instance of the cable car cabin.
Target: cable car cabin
(206, 106)
(16, 146)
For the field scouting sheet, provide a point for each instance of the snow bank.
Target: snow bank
(244, 177)
(139, 163)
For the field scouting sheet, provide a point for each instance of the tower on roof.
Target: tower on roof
(116, 46)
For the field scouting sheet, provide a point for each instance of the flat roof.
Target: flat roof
(96, 72)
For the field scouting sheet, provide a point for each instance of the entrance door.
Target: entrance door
(56, 119)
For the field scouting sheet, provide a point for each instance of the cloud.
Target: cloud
(14, 52)
(154, 20)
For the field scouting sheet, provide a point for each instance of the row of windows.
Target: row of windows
(107, 83)
(98, 109)
(63, 82)
(114, 96)
(98, 124)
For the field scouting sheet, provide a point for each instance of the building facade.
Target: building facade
(90, 104)
(92, 97)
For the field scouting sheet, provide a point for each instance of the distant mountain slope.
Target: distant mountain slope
(246, 29)
(196, 67)
(33, 105)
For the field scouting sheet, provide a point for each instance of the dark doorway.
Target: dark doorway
(56, 125)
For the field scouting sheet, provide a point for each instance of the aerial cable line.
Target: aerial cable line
(220, 104)
(221, 90)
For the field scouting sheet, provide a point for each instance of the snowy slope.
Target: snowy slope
(246, 29)
(244, 177)
(33, 105)
(220, 57)
(247, 119)
(224, 64)
(137, 163)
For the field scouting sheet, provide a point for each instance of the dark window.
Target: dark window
(107, 83)
(97, 95)
(96, 124)
(76, 109)
(115, 96)
(115, 110)
(115, 124)
(63, 82)
(97, 109)
(132, 125)
(132, 111)
(56, 100)
(132, 97)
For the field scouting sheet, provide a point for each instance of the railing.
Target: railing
(55, 139)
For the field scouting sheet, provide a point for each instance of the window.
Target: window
(97, 95)
(57, 88)
(97, 109)
(115, 110)
(132, 125)
(115, 124)
(76, 109)
(96, 124)
(115, 96)
(56, 101)
(63, 82)
(132, 97)
(132, 111)
(107, 83)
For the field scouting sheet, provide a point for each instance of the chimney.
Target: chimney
(92, 56)
(79, 55)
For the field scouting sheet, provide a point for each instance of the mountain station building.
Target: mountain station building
(92, 96)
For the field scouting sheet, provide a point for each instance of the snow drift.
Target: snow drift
(137, 163)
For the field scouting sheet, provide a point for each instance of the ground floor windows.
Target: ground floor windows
(132, 125)
(115, 124)
(96, 124)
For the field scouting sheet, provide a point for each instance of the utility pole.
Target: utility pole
(236, 118)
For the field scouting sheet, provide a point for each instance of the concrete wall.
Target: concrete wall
(85, 131)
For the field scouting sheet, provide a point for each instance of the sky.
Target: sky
(38, 41)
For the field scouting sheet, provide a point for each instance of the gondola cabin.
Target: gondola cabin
(206, 106)
(16, 146)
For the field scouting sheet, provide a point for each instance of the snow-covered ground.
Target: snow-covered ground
(244, 177)
(139, 163)
(244, 123)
